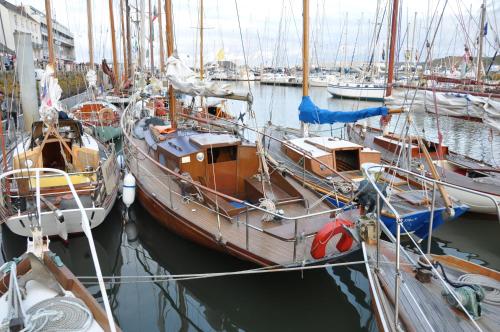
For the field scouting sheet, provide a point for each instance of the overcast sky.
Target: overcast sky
(272, 29)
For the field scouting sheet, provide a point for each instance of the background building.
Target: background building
(31, 20)
(64, 42)
(16, 18)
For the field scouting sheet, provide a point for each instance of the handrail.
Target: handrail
(85, 227)
(366, 167)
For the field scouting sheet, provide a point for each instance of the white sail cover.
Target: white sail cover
(450, 104)
(491, 114)
(184, 80)
(50, 95)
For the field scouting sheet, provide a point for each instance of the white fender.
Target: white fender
(128, 196)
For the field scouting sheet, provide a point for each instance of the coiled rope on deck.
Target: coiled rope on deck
(491, 287)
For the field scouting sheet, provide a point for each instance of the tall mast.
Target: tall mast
(481, 37)
(151, 37)
(129, 39)
(305, 58)
(90, 34)
(124, 43)
(170, 52)
(113, 44)
(392, 48)
(50, 35)
(201, 39)
(142, 57)
(160, 37)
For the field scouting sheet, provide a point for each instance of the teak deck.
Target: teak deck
(436, 314)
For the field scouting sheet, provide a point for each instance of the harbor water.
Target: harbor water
(314, 300)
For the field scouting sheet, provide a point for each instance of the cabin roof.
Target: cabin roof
(192, 142)
(329, 144)
(179, 146)
(210, 140)
(301, 146)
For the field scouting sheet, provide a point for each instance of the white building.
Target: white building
(64, 43)
(17, 19)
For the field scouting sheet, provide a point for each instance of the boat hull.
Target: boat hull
(476, 203)
(418, 222)
(357, 92)
(51, 226)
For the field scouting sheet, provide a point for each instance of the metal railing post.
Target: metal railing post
(170, 192)
(295, 241)
(431, 221)
(378, 230)
(398, 275)
(246, 228)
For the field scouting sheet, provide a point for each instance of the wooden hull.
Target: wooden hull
(182, 227)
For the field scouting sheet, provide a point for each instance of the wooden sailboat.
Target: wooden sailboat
(218, 190)
(333, 166)
(453, 168)
(58, 142)
(99, 114)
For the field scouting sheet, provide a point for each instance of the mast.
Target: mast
(201, 39)
(129, 39)
(90, 34)
(151, 37)
(160, 37)
(124, 43)
(141, 35)
(50, 34)
(113, 44)
(481, 38)
(392, 48)
(305, 59)
(170, 52)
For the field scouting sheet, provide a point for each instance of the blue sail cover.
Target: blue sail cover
(310, 113)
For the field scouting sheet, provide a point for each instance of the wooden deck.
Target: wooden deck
(273, 244)
(422, 307)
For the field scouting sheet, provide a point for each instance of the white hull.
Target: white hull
(357, 91)
(476, 203)
(20, 224)
(318, 82)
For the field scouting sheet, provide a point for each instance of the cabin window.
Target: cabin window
(347, 160)
(222, 154)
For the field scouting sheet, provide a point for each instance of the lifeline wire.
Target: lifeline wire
(182, 277)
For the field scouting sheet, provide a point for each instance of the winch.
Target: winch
(367, 228)
(470, 296)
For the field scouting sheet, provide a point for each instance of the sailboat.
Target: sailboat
(100, 114)
(59, 142)
(217, 189)
(368, 84)
(333, 166)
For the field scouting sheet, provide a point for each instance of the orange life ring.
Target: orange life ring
(106, 116)
(329, 230)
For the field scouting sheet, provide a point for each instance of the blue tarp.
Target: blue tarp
(310, 113)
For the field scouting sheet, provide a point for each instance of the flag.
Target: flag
(485, 32)
(220, 55)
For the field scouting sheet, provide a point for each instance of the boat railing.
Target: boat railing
(29, 175)
(369, 171)
(131, 149)
(84, 220)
